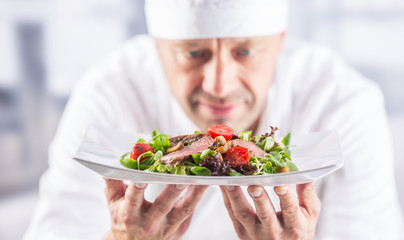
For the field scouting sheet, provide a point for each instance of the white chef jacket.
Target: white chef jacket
(313, 91)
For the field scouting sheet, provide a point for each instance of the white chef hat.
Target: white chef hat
(196, 19)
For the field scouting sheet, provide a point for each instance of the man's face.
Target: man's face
(221, 81)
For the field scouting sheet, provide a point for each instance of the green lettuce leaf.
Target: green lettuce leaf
(268, 144)
(197, 158)
(286, 139)
(234, 173)
(245, 135)
(159, 141)
(200, 171)
(207, 152)
(268, 168)
(292, 167)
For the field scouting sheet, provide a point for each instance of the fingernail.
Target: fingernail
(140, 185)
(281, 190)
(181, 186)
(255, 193)
(230, 188)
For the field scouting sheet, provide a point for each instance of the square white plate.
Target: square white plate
(316, 155)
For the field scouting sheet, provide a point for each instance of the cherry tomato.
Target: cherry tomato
(140, 148)
(221, 130)
(237, 156)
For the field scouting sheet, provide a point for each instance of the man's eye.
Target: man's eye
(243, 52)
(195, 54)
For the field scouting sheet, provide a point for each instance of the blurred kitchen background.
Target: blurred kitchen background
(45, 45)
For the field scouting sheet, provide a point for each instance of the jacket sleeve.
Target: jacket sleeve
(360, 200)
(117, 93)
(71, 197)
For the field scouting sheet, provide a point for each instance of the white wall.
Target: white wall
(78, 34)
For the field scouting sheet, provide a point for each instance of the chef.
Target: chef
(227, 62)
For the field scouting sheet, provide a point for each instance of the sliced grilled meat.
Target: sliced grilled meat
(204, 142)
(186, 139)
(254, 149)
(180, 155)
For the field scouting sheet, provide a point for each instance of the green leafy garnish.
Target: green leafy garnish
(268, 168)
(155, 133)
(275, 159)
(207, 152)
(166, 168)
(153, 157)
(145, 161)
(234, 173)
(268, 143)
(197, 158)
(129, 163)
(200, 171)
(181, 170)
(245, 135)
(132, 164)
(159, 141)
(257, 140)
(292, 167)
(286, 139)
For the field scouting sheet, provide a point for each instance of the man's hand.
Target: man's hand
(296, 220)
(135, 218)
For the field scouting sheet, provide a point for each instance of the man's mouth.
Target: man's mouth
(217, 109)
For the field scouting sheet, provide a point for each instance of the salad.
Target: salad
(217, 152)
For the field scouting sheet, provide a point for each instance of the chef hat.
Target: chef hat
(195, 19)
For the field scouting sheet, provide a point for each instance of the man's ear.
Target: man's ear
(157, 43)
(282, 36)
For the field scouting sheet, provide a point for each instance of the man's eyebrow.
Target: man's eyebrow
(187, 44)
(251, 41)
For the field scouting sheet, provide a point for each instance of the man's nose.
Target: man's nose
(221, 76)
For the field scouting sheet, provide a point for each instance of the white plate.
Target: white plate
(316, 155)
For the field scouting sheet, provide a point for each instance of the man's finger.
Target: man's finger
(242, 209)
(263, 206)
(289, 202)
(308, 198)
(237, 225)
(186, 205)
(134, 196)
(114, 189)
(165, 201)
(183, 227)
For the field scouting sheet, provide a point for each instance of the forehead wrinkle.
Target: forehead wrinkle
(242, 41)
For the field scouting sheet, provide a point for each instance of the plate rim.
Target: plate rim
(336, 166)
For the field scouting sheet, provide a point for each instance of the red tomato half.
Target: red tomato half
(237, 156)
(140, 148)
(221, 130)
